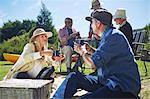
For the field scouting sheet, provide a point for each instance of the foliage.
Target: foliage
(1, 37)
(10, 29)
(147, 36)
(16, 28)
(54, 39)
(147, 33)
(14, 45)
(27, 25)
(44, 20)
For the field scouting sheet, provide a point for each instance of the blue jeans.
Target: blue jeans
(89, 83)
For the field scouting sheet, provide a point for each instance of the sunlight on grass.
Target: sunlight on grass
(87, 70)
(142, 68)
(5, 66)
(5, 63)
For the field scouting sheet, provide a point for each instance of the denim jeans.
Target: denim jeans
(76, 80)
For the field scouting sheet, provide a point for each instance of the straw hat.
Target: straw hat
(95, 4)
(40, 31)
(120, 13)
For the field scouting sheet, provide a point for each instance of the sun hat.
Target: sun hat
(102, 16)
(120, 13)
(95, 4)
(40, 31)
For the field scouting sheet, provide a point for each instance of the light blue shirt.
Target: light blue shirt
(115, 62)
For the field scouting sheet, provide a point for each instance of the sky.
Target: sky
(138, 11)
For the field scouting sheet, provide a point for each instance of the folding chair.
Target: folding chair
(138, 47)
(145, 57)
(138, 39)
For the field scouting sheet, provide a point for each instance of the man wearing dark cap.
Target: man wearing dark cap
(96, 5)
(117, 72)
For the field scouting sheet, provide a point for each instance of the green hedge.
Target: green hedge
(14, 45)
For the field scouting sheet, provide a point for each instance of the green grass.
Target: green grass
(63, 68)
(142, 69)
(5, 66)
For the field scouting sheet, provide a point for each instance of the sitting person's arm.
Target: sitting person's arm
(90, 49)
(86, 57)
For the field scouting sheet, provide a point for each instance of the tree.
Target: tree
(45, 22)
(27, 25)
(1, 37)
(45, 19)
(147, 33)
(16, 28)
(10, 29)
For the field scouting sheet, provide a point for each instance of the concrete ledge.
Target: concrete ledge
(25, 89)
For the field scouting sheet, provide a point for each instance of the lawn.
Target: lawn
(144, 94)
(142, 69)
(5, 66)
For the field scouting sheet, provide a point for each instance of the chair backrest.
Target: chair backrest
(138, 35)
(138, 39)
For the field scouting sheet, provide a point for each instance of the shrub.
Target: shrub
(14, 45)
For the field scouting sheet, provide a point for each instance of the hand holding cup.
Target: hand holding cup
(47, 52)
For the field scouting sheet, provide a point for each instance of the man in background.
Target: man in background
(124, 26)
(67, 37)
(96, 5)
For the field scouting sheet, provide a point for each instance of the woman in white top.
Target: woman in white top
(35, 61)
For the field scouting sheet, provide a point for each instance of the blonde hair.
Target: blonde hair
(38, 46)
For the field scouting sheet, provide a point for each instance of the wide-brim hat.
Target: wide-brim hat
(102, 16)
(40, 31)
(120, 13)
